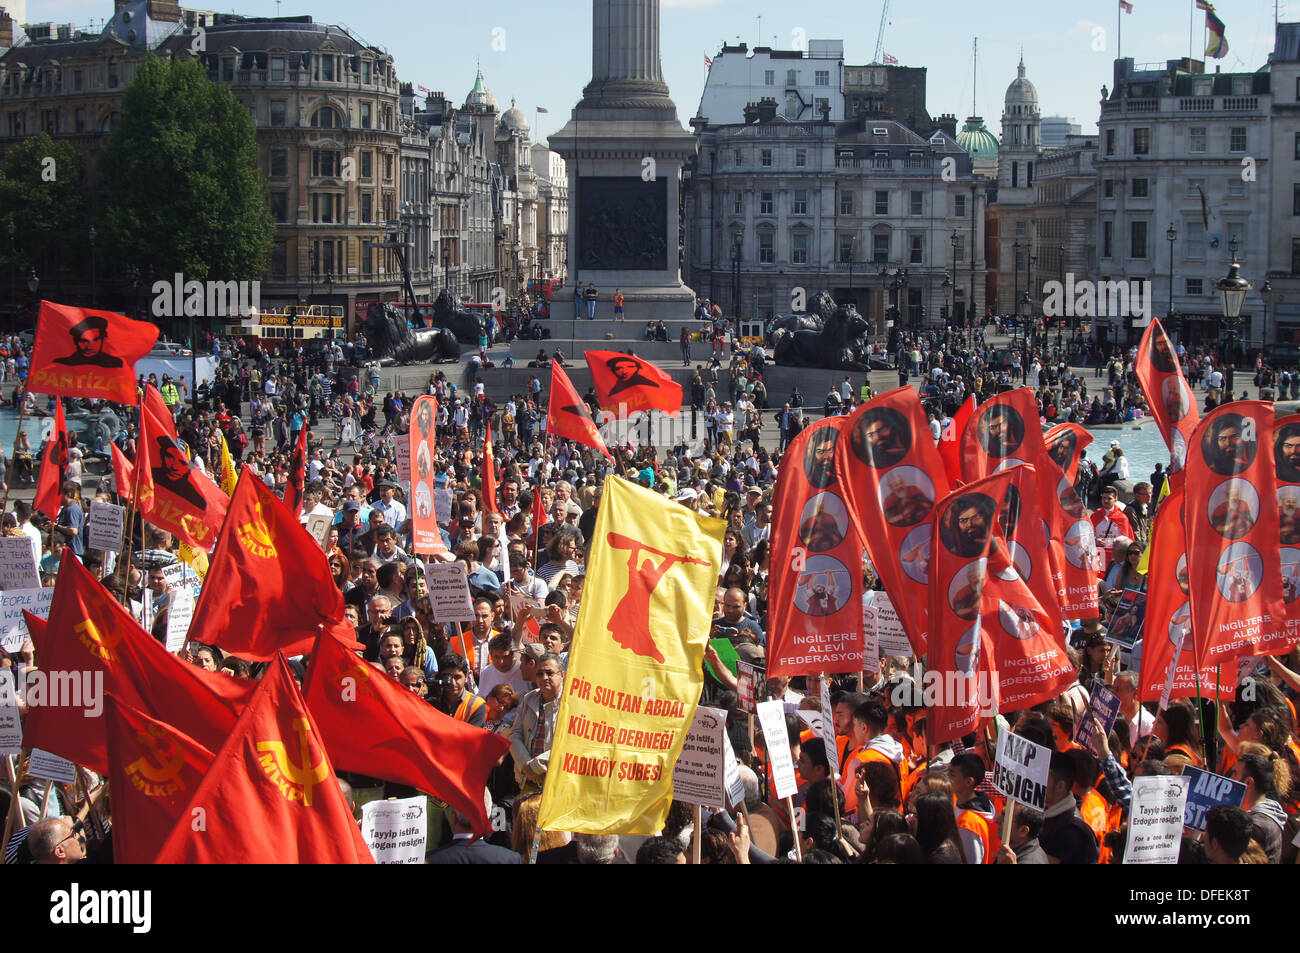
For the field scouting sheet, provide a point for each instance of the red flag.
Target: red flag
(950, 439)
(123, 473)
(625, 380)
(54, 464)
(1168, 397)
(489, 484)
(174, 495)
(268, 585)
(891, 473)
(1286, 458)
(1064, 444)
(423, 439)
(271, 795)
(568, 417)
(89, 633)
(155, 770)
(297, 473)
(816, 615)
(371, 724)
(36, 628)
(80, 352)
(1231, 512)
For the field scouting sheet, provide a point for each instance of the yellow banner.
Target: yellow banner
(635, 666)
(228, 475)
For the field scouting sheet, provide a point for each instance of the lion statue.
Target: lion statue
(392, 340)
(449, 314)
(829, 336)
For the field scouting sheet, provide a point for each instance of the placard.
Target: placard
(828, 731)
(18, 563)
(104, 527)
(396, 831)
(1125, 626)
(890, 637)
(771, 716)
(50, 767)
(1155, 825)
(700, 775)
(750, 680)
(13, 630)
(442, 505)
(449, 592)
(11, 729)
(1206, 790)
(402, 453)
(1021, 770)
(1105, 705)
(735, 785)
(180, 612)
(870, 641)
(318, 525)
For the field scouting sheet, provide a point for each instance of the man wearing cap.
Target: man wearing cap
(351, 530)
(394, 510)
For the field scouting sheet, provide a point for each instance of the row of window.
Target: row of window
(847, 203)
(1192, 238)
(326, 68)
(1197, 140)
(1140, 188)
(327, 117)
(52, 122)
(846, 248)
(50, 79)
(821, 77)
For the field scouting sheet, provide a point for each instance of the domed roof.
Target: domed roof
(976, 139)
(513, 120)
(480, 96)
(1021, 90)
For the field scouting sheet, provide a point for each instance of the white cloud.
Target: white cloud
(1082, 28)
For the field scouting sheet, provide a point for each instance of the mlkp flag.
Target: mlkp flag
(293, 490)
(950, 439)
(567, 415)
(489, 479)
(629, 381)
(80, 352)
(636, 667)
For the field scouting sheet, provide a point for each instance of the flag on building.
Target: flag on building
(542, 109)
(1126, 6)
(891, 60)
(1203, 5)
(1217, 44)
(707, 61)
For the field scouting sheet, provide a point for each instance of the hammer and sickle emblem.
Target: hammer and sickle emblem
(100, 643)
(308, 775)
(163, 757)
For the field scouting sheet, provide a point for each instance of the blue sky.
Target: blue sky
(540, 53)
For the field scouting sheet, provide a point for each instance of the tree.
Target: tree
(184, 193)
(42, 191)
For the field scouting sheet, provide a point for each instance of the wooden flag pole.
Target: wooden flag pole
(794, 826)
(12, 773)
(1008, 821)
(696, 847)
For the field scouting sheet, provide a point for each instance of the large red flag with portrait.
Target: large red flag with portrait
(1233, 553)
(81, 352)
(567, 415)
(1169, 399)
(815, 620)
(271, 795)
(625, 380)
(891, 474)
(950, 439)
(423, 436)
(1286, 459)
(173, 493)
(54, 465)
(1065, 444)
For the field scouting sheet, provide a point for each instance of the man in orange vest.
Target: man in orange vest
(975, 811)
(456, 700)
(870, 719)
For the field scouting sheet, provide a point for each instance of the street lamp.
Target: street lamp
(1232, 291)
(853, 249)
(33, 283)
(955, 240)
(93, 293)
(948, 293)
(1029, 285)
(1015, 291)
(1266, 293)
(1060, 321)
(1171, 234)
(735, 274)
(1026, 309)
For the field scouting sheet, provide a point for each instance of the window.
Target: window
(324, 71)
(1297, 145)
(799, 206)
(279, 163)
(1236, 188)
(1196, 139)
(277, 69)
(326, 208)
(50, 120)
(1015, 175)
(366, 117)
(918, 248)
(918, 203)
(1195, 187)
(882, 202)
(1140, 187)
(959, 254)
(367, 207)
(737, 203)
(80, 119)
(1020, 229)
(280, 206)
(1295, 199)
(799, 248)
(769, 77)
(15, 124)
(365, 72)
(227, 69)
(960, 210)
(1142, 141)
(765, 203)
(326, 162)
(765, 253)
(1295, 243)
(367, 164)
(846, 203)
(1195, 288)
(1107, 237)
(1194, 242)
(1108, 188)
(1237, 139)
(279, 260)
(821, 106)
(792, 77)
(327, 117)
(388, 168)
(847, 246)
(77, 81)
(822, 77)
(277, 113)
(880, 249)
(766, 158)
(112, 74)
(1137, 240)
(740, 158)
(801, 155)
(1110, 142)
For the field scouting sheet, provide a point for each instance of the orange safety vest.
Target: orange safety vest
(978, 825)
(468, 706)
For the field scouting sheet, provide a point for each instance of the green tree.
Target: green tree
(184, 193)
(43, 192)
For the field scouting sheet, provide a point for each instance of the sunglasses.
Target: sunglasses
(78, 831)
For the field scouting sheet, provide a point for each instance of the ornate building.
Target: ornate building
(1018, 156)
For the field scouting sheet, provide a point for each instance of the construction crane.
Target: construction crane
(880, 35)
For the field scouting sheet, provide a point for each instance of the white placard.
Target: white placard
(13, 630)
(396, 831)
(699, 777)
(735, 785)
(402, 451)
(11, 729)
(890, 637)
(1021, 770)
(18, 563)
(1155, 826)
(771, 716)
(104, 527)
(442, 505)
(319, 527)
(828, 732)
(870, 641)
(51, 767)
(180, 613)
(449, 592)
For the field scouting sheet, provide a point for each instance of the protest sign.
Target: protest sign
(1126, 622)
(180, 612)
(402, 451)
(1155, 826)
(51, 767)
(828, 732)
(13, 630)
(734, 785)
(11, 730)
(442, 505)
(750, 679)
(771, 716)
(870, 641)
(1105, 705)
(449, 592)
(726, 654)
(396, 830)
(319, 527)
(890, 636)
(1021, 770)
(700, 775)
(104, 527)
(1207, 790)
(17, 563)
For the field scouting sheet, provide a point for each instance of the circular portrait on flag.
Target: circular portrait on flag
(423, 461)
(1180, 628)
(1009, 514)
(881, 438)
(1008, 463)
(1021, 563)
(1017, 621)
(914, 555)
(819, 457)
(823, 587)
(423, 501)
(1081, 545)
(1239, 572)
(1001, 430)
(1061, 450)
(966, 659)
(824, 522)
(1288, 515)
(424, 417)
(1177, 452)
(1177, 399)
(1070, 502)
(1181, 573)
(906, 496)
(1230, 444)
(964, 529)
(1290, 573)
(1162, 354)
(966, 589)
(1233, 508)
(1286, 450)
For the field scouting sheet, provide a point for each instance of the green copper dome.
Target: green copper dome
(976, 139)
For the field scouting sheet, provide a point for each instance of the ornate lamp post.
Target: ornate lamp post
(1232, 291)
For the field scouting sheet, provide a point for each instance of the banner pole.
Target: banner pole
(1008, 821)
(12, 772)
(794, 826)
(695, 836)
